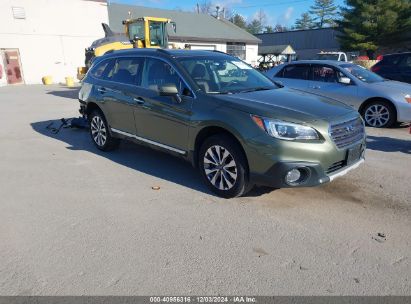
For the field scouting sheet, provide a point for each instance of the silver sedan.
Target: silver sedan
(381, 102)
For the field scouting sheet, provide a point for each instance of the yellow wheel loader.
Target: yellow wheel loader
(145, 32)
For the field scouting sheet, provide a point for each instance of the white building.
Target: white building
(47, 37)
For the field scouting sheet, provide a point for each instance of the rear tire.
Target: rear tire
(379, 114)
(100, 133)
(223, 166)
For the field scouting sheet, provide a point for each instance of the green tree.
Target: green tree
(305, 22)
(280, 28)
(255, 27)
(269, 29)
(368, 26)
(239, 21)
(324, 12)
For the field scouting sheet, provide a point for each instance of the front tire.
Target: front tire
(99, 132)
(223, 166)
(379, 114)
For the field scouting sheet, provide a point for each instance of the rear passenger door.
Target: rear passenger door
(117, 92)
(295, 76)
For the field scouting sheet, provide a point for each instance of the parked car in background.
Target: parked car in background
(230, 121)
(380, 102)
(339, 56)
(394, 67)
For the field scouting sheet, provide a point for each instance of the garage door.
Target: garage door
(210, 47)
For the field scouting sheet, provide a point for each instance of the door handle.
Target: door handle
(139, 100)
(315, 87)
(102, 90)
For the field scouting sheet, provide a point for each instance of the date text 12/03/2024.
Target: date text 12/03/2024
(203, 299)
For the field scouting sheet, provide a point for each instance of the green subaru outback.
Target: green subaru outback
(230, 121)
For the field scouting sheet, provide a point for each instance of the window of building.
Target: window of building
(18, 12)
(236, 49)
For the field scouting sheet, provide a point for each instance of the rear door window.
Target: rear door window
(406, 62)
(296, 72)
(391, 60)
(126, 71)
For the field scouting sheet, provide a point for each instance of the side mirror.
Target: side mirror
(171, 90)
(344, 80)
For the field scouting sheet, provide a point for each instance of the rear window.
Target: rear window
(296, 71)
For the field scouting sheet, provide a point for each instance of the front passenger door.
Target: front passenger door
(325, 82)
(162, 119)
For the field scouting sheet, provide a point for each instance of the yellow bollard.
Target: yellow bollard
(69, 81)
(47, 80)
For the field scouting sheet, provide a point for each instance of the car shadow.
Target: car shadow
(387, 144)
(133, 156)
(71, 93)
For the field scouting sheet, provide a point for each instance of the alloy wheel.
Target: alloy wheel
(220, 167)
(377, 115)
(98, 131)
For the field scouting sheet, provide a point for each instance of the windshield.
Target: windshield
(362, 73)
(327, 56)
(225, 75)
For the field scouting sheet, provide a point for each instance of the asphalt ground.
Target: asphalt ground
(77, 221)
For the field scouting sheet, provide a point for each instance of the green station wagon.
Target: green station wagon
(230, 121)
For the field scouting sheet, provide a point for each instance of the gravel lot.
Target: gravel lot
(76, 221)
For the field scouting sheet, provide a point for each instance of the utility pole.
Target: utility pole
(198, 8)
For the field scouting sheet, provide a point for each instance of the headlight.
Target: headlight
(285, 130)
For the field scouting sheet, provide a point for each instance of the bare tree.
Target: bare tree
(261, 17)
(205, 7)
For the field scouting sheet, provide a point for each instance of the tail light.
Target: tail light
(375, 68)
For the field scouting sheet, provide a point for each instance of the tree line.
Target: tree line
(365, 26)
(322, 13)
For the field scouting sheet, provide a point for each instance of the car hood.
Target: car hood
(391, 86)
(286, 104)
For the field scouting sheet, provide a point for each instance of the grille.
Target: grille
(335, 166)
(346, 133)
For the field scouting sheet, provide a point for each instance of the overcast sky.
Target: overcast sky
(278, 11)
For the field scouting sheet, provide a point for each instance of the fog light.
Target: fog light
(293, 176)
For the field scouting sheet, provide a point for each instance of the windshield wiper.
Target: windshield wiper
(256, 89)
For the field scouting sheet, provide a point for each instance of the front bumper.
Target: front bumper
(275, 177)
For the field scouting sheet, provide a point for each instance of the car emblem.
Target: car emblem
(349, 128)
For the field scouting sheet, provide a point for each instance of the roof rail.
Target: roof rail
(216, 51)
(165, 51)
